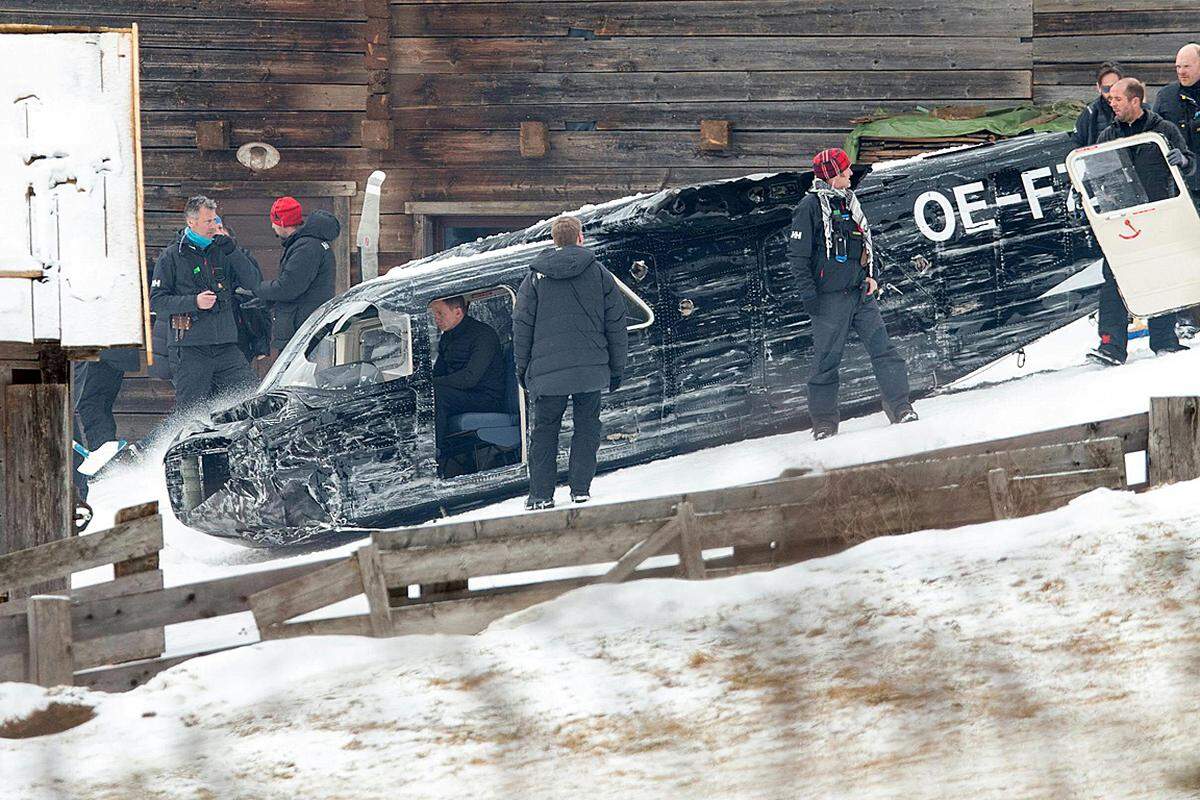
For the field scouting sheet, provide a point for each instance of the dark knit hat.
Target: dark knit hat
(830, 163)
(286, 212)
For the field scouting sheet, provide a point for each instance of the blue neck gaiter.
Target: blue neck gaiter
(196, 239)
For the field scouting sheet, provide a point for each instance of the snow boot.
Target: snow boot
(1105, 356)
(823, 433)
(535, 504)
(582, 497)
(1171, 348)
(907, 416)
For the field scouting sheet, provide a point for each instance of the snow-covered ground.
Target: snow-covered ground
(1046, 657)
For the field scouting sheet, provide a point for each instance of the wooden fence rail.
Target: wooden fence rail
(781, 521)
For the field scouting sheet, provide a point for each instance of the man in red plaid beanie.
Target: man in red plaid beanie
(833, 259)
(306, 270)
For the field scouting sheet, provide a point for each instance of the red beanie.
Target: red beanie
(830, 163)
(286, 212)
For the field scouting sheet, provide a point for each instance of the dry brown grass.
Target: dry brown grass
(55, 718)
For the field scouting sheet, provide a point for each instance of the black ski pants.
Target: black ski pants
(97, 384)
(839, 312)
(1114, 321)
(202, 372)
(548, 413)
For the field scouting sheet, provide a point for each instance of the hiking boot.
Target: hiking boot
(580, 497)
(823, 433)
(1105, 356)
(536, 504)
(907, 416)
(1171, 348)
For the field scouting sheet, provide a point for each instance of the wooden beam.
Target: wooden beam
(714, 134)
(998, 487)
(38, 496)
(534, 140)
(278, 188)
(643, 550)
(307, 593)
(690, 556)
(212, 134)
(51, 661)
(484, 208)
(377, 134)
(1174, 453)
(375, 587)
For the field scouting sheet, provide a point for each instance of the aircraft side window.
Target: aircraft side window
(638, 315)
(1120, 179)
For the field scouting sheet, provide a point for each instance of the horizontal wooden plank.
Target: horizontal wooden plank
(1052, 94)
(357, 625)
(281, 129)
(1054, 6)
(1135, 22)
(129, 676)
(57, 559)
(549, 88)
(166, 164)
(705, 54)
(226, 9)
(715, 18)
(756, 150)
(785, 115)
(305, 593)
(1092, 49)
(1085, 74)
(145, 395)
(207, 30)
(272, 97)
(130, 584)
(250, 66)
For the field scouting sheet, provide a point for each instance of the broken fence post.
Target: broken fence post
(51, 656)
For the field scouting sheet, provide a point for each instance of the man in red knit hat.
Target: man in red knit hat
(306, 271)
(833, 260)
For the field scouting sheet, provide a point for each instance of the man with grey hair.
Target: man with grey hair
(193, 285)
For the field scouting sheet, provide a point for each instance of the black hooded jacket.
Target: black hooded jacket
(306, 275)
(1149, 122)
(569, 332)
(184, 270)
(1180, 105)
(1094, 118)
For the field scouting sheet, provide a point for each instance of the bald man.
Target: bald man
(1179, 103)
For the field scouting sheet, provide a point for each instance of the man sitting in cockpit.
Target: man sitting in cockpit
(468, 375)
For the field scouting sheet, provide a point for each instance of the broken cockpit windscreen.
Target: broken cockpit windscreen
(1125, 178)
(364, 344)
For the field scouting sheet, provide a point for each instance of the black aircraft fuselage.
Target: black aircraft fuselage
(972, 245)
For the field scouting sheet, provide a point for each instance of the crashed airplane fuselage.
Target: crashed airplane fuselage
(977, 247)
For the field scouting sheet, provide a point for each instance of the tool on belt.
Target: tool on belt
(181, 323)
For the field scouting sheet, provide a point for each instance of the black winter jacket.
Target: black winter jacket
(817, 271)
(1149, 122)
(469, 359)
(569, 333)
(1094, 118)
(184, 270)
(306, 275)
(1181, 106)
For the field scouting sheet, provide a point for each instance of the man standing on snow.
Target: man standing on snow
(193, 285)
(306, 271)
(1098, 115)
(1133, 118)
(833, 260)
(569, 342)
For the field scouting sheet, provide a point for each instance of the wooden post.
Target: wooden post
(38, 501)
(714, 135)
(51, 661)
(534, 140)
(212, 134)
(377, 134)
(375, 588)
(691, 559)
(1174, 447)
(998, 488)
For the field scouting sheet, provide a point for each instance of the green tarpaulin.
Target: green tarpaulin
(1004, 122)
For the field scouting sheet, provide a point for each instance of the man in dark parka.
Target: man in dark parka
(569, 342)
(306, 271)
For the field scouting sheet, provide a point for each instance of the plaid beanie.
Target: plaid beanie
(286, 212)
(830, 163)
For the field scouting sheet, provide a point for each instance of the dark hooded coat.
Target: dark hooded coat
(306, 275)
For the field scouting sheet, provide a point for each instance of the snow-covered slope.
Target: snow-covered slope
(1053, 656)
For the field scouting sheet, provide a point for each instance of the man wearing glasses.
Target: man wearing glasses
(1098, 115)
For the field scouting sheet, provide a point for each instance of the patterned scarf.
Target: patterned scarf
(825, 193)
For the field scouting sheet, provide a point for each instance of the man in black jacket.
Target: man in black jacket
(1179, 103)
(1133, 118)
(194, 281)
(468, 375)
(1098, 115)
(569, 342)
(832, 258)
(307, 269)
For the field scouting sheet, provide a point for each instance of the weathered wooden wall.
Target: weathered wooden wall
(1072, 38)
